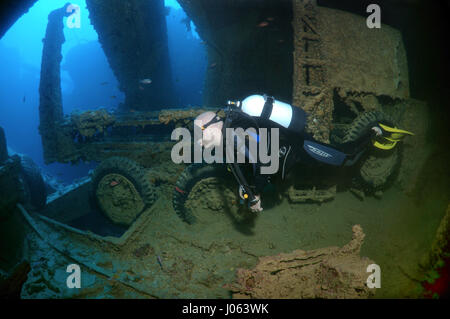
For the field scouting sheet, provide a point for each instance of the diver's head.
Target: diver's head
(211, 125)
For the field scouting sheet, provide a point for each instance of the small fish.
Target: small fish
(141, 88)
(114, 183)
(263, 24)
(280, 41)
(158, 258)
(113, 96)
(145, 81)
(103, 83)
(270, 18)
(24, 99)
(179, 190)
(213, 65)
(132, 111)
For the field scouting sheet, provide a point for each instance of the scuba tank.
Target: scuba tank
(285, 115)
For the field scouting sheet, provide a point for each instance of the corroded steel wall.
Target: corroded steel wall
(133, 35)
(249, 47)
(337, 56)
(50, 96)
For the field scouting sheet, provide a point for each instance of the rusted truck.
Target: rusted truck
(335, 82)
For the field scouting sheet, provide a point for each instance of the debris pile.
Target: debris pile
(330, 272)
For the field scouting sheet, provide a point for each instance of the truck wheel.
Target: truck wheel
(122, 190)
(378, 167)
(188, 179)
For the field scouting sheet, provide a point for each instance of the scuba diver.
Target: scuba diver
(295, 144)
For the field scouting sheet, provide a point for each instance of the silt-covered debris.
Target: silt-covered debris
(330, 272)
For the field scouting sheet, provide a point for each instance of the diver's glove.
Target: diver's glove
(377, 130)
(255, 205)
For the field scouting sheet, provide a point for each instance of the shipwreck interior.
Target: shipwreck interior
(314, 54)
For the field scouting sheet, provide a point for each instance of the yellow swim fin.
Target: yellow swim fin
(390, 137)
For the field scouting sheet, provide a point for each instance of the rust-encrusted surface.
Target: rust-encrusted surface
(334, 61)
(441, 244)
(330, 272)
(50, 96)
(182, 115)
(92, 122)
(355, 59)
(97, 135)
(311, 90)
(337, 56)
(315, 195)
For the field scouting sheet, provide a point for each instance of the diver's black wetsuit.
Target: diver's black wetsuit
(292, 141)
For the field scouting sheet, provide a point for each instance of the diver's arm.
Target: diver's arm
(253, 198)
(260, 182)
(237, 119)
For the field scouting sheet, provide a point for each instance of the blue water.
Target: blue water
(82, 89)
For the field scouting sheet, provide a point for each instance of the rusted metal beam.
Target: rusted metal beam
(50, 96)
